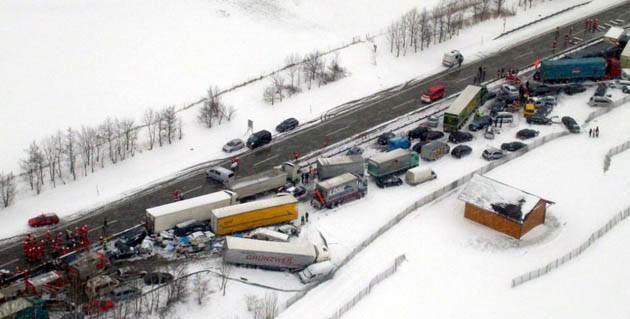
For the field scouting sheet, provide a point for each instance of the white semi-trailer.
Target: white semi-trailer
(167, 216)
(269, 254)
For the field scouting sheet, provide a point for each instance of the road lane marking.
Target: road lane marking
(8, 263)
(522, 55)
(268, 159)
(463, 79)
(191, 190)
(403, 104)
(337, 131)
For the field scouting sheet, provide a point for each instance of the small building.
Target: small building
(501, 207)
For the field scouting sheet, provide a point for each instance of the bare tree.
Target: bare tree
(107, 131)
(334, 69)
(412, 24)
(293, 68)
(169, 120)
(33, 167)
(70, 152)
(49, 147)
(423, 23)
(210, 109)
(149, 121)
(277, 82)
(391, 35)
(86, 140)
(228, 112)
(129, 135)
(312, 63)
(224, 270)
(7, 188)
(268, 95)
(268, 307)
(499, 5)
(60, 151)
(485, 7)
(159, 129)
(436, 17)
(201, 289)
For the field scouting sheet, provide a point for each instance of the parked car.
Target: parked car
(258, 139)
(544, 110)
(125, 293)
(513, 146)
(492, 153)
(600, 101)
(417, 132)
(538, 119)
(461, 150)
(570, 124)
(355, 150)
(220, 174)
(188, 227)
(296, 191)
(44, 220)
(480, 123)
(491, 95)
(542, 90)
(526, 133)
(287, 125)
(433, 94)
(506, 97)
(574, 89)
(398, 141)
(489, 132)
(157, 278)
(545, 100)
(383, 138)
(626, 89)
(601, 90)
(432, 135)
(388, 181)
(459, 137)
(121, 251)
(511, 90)
(233, 145)
(97, 306)
(418, 146)
(129, 273)
(134, 236)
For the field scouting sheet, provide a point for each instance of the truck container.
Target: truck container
(572, 69)
(267, 234)
(465, 104)
(625, 57)
(246, 216)
(392, 162)
(167, 216)
(434, 150)
(339, 189)
(250, 186)
(419, 175)
(335, 166)
(274, 255)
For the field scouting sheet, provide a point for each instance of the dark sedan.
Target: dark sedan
(417, 132)
(418, 146)
(538, 119)
(384, 138)
(480, 123)
(459, 137)
(542, 90)
(601, 90)
(461, 150)
(287, 125)
(432, 135)
(388, 181)
(574, 89)
(571, 124)
(512, 146)
(526, 133)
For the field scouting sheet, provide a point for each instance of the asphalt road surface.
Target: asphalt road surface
(130, 211)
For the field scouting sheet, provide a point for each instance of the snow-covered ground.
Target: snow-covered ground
(199, 144)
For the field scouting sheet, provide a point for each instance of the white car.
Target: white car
(509, 89)
(233, 145)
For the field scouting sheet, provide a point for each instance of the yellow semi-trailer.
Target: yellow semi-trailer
(246, 216)
(199, 208)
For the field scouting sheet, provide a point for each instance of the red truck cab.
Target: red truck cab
(433, 94)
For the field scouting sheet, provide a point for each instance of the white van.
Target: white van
(419, 175)
(504, 117)
(625, 74)
(220, 174)
(317, 271)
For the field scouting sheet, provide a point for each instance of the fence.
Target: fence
(614, 151)
(367, 289)
(573, 253)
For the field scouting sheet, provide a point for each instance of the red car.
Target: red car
(43, 220)
(97, 306)
(434, 93)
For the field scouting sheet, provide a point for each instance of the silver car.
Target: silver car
(492, 154)
(599, 101)
(233, 145)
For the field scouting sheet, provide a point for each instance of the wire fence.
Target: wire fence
(573, 253)
(367, 289)
(614, 151)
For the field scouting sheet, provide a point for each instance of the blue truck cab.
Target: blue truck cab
(398, 141)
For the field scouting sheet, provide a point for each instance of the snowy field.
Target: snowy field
(199, 144)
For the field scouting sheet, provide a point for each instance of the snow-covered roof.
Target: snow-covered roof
(337, 180)
(483, 192)
(346, 159)
(190, 203)
(384, 157)
(269, 246)
(249, 206)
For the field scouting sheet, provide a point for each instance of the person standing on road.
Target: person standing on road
(595, 25)
(597, 131)
(483, 74)
(557, 33)
(105, 224)
(176, 195)
(553, 46)
(590, 132)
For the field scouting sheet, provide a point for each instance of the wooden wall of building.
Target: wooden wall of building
(535, 218)
(492, 220)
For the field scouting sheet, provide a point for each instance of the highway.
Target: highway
(376, 110)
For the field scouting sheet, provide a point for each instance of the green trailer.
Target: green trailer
(466, 103)
(625, 57)
(392, 162)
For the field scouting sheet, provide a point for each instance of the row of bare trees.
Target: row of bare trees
(214, 111)
(311, 68)
(74, 152)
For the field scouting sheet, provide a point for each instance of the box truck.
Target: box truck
(392, 162)
(335, 166)
(274, 255)
(339, 189)
(250, 215)
(250, 186)
(165, 217)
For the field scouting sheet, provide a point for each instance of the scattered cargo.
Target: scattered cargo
(167, 216)
(335, 166)
(339, 189)
(246, 216)
(274, 255)
(273, 179)
(267, 234)
(392, 162)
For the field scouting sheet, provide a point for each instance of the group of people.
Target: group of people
(37, 251)
(593, 132)
(590, 25)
